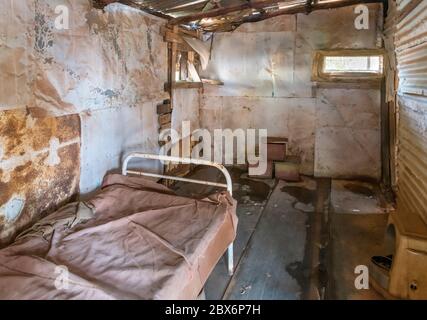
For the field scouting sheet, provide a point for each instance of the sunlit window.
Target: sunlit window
(356, 64)
(347, 65)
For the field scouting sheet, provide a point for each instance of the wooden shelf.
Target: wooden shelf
(184, 85)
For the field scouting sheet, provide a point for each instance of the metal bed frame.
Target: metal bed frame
(228, 185)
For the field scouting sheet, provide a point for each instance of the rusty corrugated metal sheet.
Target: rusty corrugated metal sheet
(243, 12)
(411, 51)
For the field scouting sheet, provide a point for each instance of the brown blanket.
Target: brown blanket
(135, 240)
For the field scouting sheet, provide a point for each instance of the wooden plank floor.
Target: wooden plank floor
(275, 266)
(291, 244)
(219, 279)
(356, 238)
(251, 196)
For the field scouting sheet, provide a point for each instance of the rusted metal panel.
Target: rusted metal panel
(39, 167)
(411, 49)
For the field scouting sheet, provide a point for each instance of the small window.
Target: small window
(347, 65)
(343, 64)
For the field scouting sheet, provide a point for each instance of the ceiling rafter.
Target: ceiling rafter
(293, 7)
(213, 15)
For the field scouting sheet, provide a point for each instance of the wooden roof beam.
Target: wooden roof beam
(291, 8)
(304, 8)
(222, 11)
(101, 4)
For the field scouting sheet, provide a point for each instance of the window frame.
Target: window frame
(319, 75)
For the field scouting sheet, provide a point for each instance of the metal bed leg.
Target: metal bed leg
(230, 253)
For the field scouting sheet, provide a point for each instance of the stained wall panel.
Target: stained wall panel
(266, 69)
(73, 101)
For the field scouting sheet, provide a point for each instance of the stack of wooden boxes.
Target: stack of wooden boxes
(164, 111)
(278, 164)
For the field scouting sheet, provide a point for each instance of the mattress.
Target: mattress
(135, 239)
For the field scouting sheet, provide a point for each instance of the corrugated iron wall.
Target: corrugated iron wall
(411, 52)
(390, 93)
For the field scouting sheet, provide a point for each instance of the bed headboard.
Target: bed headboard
(126, 171)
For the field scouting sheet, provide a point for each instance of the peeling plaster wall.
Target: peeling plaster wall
(266, 67)
(134, 70)
(72, 102)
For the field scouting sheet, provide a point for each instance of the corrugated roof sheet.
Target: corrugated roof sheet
(244, 10)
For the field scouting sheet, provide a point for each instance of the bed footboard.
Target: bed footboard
(228, 185)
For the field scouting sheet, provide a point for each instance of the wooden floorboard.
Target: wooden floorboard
(273, 265)
(219, 279)
(356, 238)
(294, 246)
(251, 195)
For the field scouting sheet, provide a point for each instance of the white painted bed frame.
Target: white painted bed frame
(228, 185)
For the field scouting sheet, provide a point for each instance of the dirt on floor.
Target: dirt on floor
(299, 240)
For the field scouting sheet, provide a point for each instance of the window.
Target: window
(343, 64)
(348, 65)
(186, 68)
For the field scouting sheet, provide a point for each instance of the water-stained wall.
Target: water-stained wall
(72, 101)
(266, 68)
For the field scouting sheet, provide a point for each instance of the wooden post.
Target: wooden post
(172, 64)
